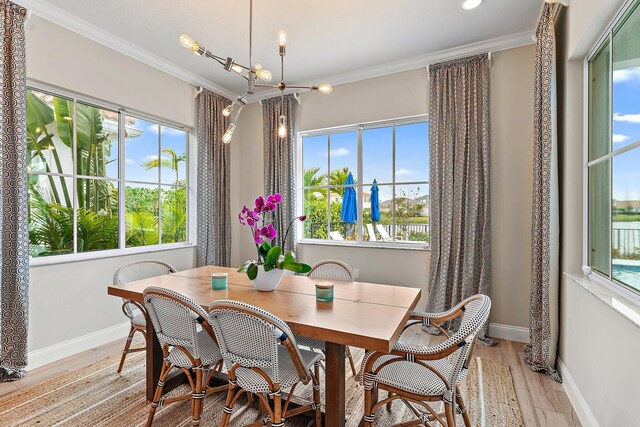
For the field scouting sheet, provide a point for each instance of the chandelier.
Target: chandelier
(251, 74)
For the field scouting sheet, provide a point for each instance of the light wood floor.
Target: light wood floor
(543, 402)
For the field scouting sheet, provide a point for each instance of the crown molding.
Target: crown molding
(85, 29)
(492, 45)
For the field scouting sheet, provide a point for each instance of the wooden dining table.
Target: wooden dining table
(364, 315)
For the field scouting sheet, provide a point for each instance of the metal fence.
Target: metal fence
(625, 240)
(404, 231)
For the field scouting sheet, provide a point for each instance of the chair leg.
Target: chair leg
(368, 418)
(316, 393)
(350, 357)
(226, 416)
(463, 409)
(127, 345)
(450, 414)
(277, 412)
(198, 396)
(388, 405)
(158, 394)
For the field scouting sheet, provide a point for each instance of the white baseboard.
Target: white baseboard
(508, 332)
(73, 346)
(587, 419)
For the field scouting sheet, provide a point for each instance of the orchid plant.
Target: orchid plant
(263, 234)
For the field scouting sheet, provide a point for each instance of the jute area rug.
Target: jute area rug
(97, 396)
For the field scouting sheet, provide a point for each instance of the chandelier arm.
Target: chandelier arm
(263, 85)
(282, 68)
(300, 87)
(210, 55)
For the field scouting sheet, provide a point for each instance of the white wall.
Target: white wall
(598, 346)
(65, 59)
(400, 95)
(70, 300)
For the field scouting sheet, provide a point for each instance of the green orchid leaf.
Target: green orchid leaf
(252, 271)
(264, 249)
(289, 257)
(272, 257)
(296, 267)
(246, 266)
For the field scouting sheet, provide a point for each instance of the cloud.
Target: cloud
(403, 172)
(165, 130)
(617, 138)
(629, 74)
(340, 152)
(629, 118)
(151, 157)
(129, 161)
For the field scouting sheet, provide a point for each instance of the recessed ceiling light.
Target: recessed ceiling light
(470, 4)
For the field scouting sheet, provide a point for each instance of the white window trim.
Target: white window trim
(618, 288)
(191, 167)
(300, 186)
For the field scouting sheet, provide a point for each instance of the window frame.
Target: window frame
(120, 181)
(607, 36)
(358, 128)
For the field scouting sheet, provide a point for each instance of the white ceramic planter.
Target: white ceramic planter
(267, 281)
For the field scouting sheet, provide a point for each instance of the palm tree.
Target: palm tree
(338, 177)
(312, 179)
(171, 163)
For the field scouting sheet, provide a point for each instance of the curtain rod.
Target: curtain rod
(296, 96)
(556, 4)
(453, 58)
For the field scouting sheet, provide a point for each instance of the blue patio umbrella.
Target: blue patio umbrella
(375, 202)
(349, 204)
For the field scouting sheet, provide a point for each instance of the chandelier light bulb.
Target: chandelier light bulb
(264, 75)
(470, 4)
(228, 110)
(226, 138)
(188, 43)
(325, 88)
(282, 127)
(282, 39)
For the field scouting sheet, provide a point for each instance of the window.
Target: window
(395, 155)
(613, 154)
(89, 190)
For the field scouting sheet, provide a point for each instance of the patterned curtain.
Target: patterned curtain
(214, 158)
(459, 169)
(14, 240)
(279, 169)
(540, 353)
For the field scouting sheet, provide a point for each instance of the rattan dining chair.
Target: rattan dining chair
(262, 357)
(137, 270)
(421, 374)
(188, 343)
(329, 270)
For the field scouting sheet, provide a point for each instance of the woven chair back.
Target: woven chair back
(249, 336)
(332, 270)
(175, 317)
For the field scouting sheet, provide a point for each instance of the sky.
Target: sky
(626, 130)
(145, 147)
(412, 157)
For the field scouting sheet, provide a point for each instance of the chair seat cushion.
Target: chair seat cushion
(139, 320)
(415, 378)
(253, 382)
(209, 352)
(312, 343)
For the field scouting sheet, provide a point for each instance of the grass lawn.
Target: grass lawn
(626, 217)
